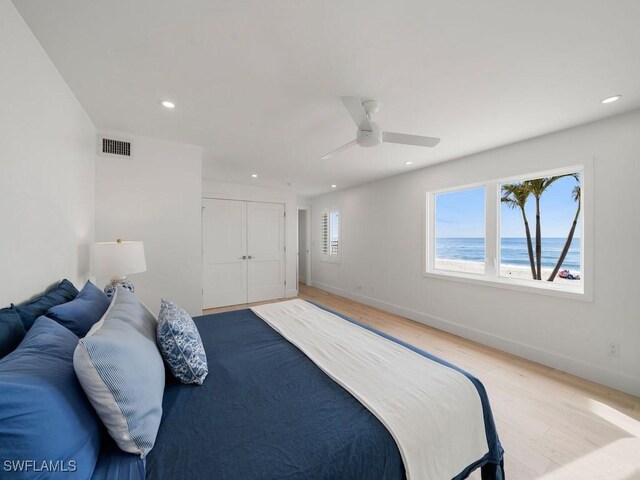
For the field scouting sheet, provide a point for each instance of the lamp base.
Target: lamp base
(114, 283)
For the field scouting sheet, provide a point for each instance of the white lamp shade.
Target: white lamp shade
(111, 259)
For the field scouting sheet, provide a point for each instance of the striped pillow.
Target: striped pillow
(121, 371)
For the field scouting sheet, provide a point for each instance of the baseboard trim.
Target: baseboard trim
(595, 373)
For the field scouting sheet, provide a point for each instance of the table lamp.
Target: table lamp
(116, 260)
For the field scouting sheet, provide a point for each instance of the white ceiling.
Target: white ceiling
(258, 83)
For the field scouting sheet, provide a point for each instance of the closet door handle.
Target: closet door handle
(249, 257)
(244, 257)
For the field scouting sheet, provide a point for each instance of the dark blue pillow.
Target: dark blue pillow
(81, 313)
(11, 331)
(44, 413)
(63, 293)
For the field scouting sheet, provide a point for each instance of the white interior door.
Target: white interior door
(266, 251)
(224, 244)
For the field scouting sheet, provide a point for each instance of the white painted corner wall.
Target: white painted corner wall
(258, 193)
(46, 169)
(382, 262)
(155, 197)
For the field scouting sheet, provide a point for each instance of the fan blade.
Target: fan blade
(405, 139)
(338, 150)
(357, 112)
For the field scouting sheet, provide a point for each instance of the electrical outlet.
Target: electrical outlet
(614, 349)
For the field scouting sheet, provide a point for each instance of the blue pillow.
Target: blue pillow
(44, 414)
(63, 293)
(121, 371)
(82, 312)
(11, 331)
(180, 344)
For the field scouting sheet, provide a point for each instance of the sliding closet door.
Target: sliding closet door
(265, 248)
(224, 244)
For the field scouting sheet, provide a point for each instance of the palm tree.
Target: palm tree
(515, 195)
(536, 188)
(577, 196)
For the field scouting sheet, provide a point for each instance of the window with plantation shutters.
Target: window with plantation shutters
(330, 247)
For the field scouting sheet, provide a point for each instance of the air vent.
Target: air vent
(115, 147)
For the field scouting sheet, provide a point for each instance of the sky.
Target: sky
(461, 214)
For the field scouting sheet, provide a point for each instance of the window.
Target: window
(526, 232)
(460, 231)
(330, 247)
(554, 254)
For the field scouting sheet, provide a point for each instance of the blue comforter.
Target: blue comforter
(267, 412)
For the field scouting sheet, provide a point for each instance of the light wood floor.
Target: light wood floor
(552, 425)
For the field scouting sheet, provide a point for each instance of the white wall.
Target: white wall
(257, 193)
(383, 225)
(155, 197)
(47, 158)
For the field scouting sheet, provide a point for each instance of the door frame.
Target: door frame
(307, 210)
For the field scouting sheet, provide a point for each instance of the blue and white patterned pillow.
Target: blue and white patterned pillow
(180, 344)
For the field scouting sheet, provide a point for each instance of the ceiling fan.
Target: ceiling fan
(369, 134)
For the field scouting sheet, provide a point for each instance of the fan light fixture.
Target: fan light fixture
(254, 175)
(408, 163)
(334, 186)
(611, 99)
(168, 104)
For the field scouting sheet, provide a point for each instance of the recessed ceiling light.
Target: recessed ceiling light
(168, 104)
(611, 99)
(334, 186)
(254, 175)
(408, 163)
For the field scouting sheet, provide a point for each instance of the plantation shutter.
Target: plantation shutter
(334, 233)
(324, 233)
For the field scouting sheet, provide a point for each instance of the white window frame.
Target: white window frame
(331, 257)
(492, 277)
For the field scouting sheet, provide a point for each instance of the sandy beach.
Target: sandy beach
(509, 271)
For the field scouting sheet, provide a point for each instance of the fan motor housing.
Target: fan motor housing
(367, 138)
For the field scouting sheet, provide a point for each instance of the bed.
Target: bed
(266, 411)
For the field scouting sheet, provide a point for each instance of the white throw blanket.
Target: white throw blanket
(432, 411)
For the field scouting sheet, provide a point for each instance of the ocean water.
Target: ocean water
(513, 251)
